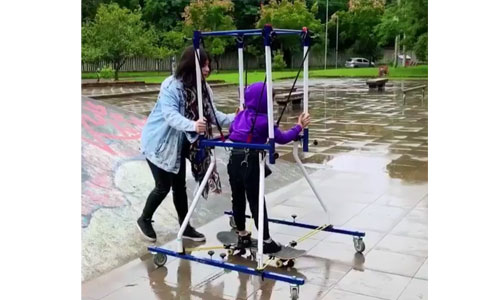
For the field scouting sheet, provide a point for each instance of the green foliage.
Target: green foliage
(89, 7)
(163, 14)
(290, 15)
(170, 44)
(408, 18)
(421, 47)
(320, 11)
(106, 72)
(115, 35)
(210, 15)
(278, 61)
(246, 13)
(356, 29)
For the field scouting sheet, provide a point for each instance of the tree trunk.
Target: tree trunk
(116, 67)
(396, 51)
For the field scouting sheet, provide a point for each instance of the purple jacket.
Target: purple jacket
(256, 111)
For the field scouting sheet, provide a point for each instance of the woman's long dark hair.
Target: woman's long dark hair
(186, 70)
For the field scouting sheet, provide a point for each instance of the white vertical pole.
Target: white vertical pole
(197, 197)
(306, 81)
(240, 68)
(260, 239)
(198, 86)
(269, 84)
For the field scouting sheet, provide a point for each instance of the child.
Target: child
(243, 166)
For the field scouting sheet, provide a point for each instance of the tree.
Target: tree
(115, 35)
(357, 24)
(408, 18)
(333, 6)
(89, 7)
(290, 15)
(246, 13)
(210, 15)
(170, 44)
(163, 14)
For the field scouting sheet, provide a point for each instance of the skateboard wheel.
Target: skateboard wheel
(279, 263)
(230, 251)
(290, 263)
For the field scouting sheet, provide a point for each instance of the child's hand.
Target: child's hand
(237, 111)
(304, 120)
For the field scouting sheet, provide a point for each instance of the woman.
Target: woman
(170, 136)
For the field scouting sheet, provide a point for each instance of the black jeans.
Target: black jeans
(163, 182)
(244, 181)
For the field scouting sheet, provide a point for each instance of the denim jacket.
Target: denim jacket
(163, 134)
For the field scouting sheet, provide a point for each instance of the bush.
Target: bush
(421, 47)
(106, 72)
(278, 61)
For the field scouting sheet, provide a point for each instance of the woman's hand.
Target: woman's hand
(304, 119)
(201, 125)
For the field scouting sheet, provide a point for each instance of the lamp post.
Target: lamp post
(326, 30)
(336, 41)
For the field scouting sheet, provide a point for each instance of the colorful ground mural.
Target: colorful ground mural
(110, 137)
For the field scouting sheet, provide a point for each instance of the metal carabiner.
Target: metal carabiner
(244, 163)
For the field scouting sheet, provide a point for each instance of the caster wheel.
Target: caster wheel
(232, 223)
(159, 259)
(359, 244)
(290, 263)
(294, 293)
(279, 263)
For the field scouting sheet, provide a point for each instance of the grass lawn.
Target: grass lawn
(254, 76)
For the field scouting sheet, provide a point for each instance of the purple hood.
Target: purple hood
(256, 111)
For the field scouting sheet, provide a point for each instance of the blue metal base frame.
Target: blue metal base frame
(329, 228)
(230, 266)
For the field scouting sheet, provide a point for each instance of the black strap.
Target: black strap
(295, 81)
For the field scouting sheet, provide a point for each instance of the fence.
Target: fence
(229, 61)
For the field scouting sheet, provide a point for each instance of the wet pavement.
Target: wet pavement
(370, 167)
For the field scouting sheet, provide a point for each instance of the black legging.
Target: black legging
(163, 182)
(244, 181)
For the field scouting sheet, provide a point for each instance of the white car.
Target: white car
(358, 62)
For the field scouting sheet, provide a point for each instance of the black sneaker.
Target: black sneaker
(146, 229)
(192, 234)
(244, 241)
(271, 247)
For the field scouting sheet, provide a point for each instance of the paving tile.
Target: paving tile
(422, 272)
(374, 283)
(336, 294)
(404, 245)
(395, 263)
(233, 285)
(378, 218)
(416, 290)
(281, 290)
(413, 225)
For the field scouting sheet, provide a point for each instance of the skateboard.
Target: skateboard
(285, 257)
